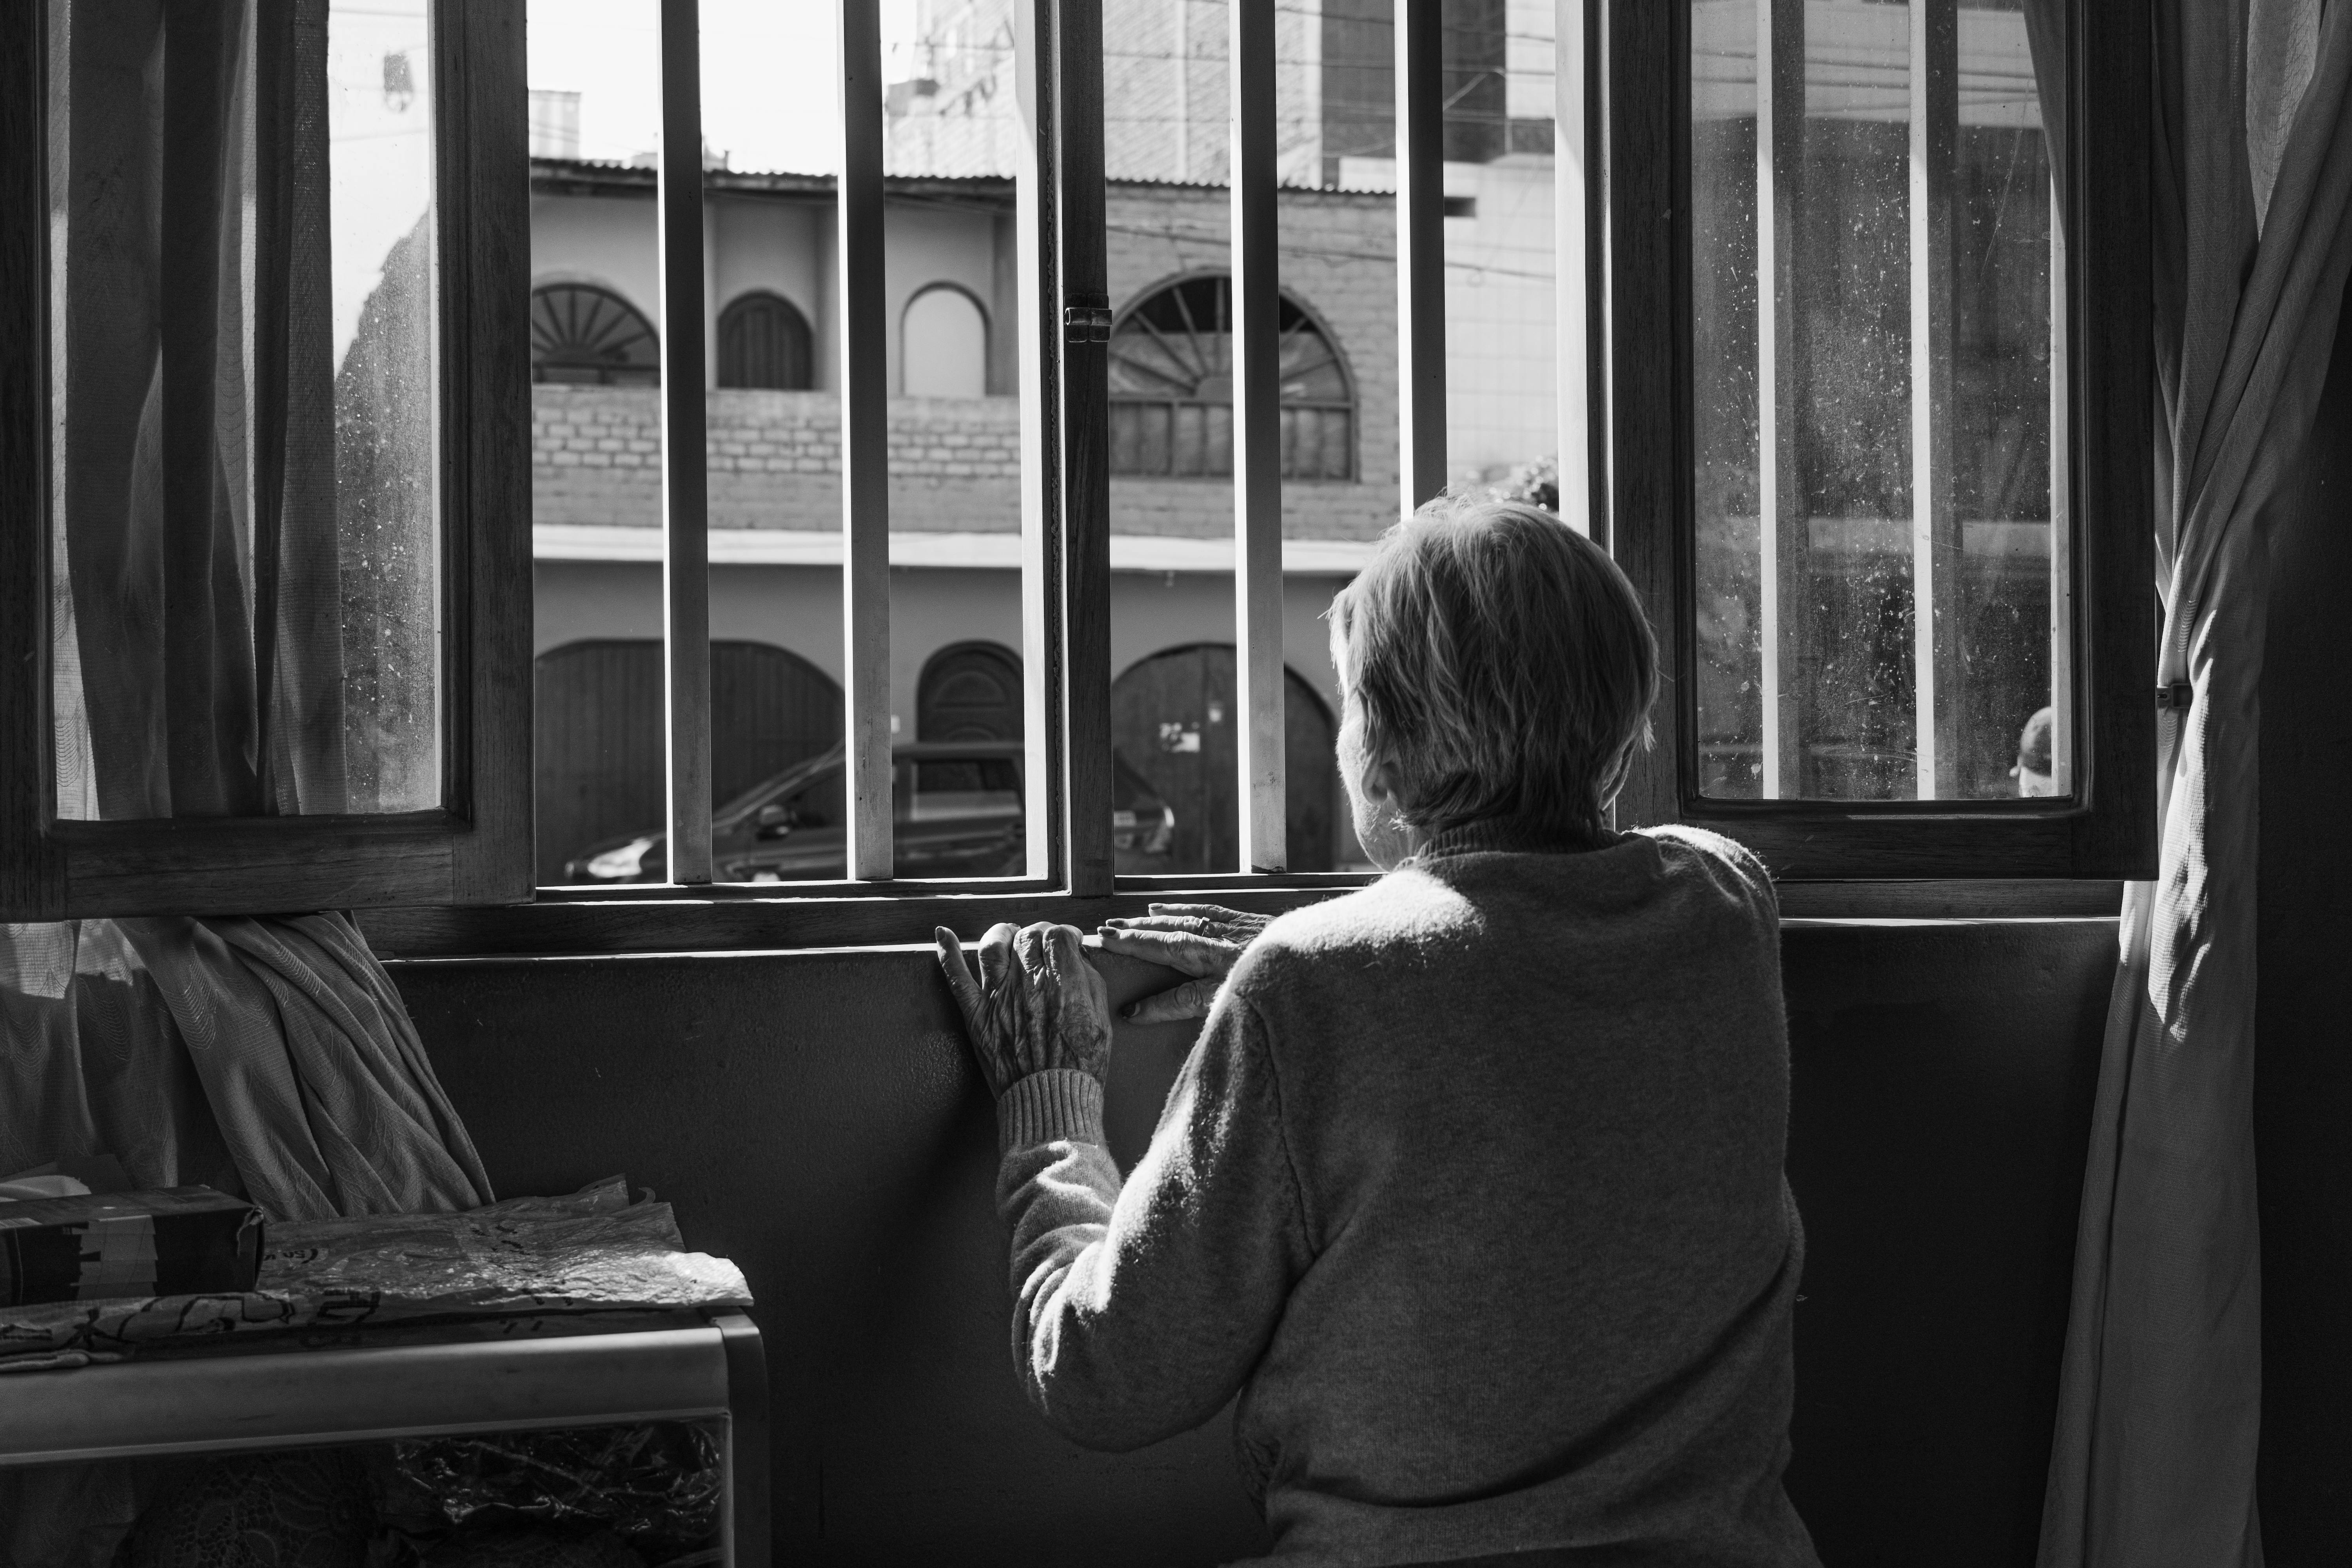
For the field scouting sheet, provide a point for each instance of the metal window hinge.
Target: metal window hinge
(1086, 323)
(2181, 694)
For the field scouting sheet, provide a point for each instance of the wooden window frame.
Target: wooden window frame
(476, 847)
(1641, 223)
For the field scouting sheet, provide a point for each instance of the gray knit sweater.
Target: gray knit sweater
(1471, 1189)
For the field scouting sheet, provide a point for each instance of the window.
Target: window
(586, 336)
(1171, 385)
(256, 403)
(943, 344)
(1859, 365)
(1898, 548)
(763, 342)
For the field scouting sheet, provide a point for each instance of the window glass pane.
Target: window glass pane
(1881, 542)
(595, 324)
(950, 362)
(246, 538)
(1175, 723)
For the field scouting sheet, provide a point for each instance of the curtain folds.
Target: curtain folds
(268, 1056)
(199, 646)
(2160, 1398)
(198, 531)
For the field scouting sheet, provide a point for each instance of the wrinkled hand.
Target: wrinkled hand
(1038, 1004)
(1198, 940)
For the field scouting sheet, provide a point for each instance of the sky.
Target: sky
(768, 91)
(380, 162)
(768, 103)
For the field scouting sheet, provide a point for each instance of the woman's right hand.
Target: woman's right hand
(1204, 941)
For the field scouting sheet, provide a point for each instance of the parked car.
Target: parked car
(957, 812)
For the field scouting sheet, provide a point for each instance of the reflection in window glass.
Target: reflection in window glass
(1872, 249)
(245, 537)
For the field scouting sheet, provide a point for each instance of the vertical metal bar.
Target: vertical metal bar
(686, 544)
(1935, 530)
(1571, 281)
(864, 446)
(1257, 439)
(1599, 400)
(1085, 444)
(1040, 338)
(1783, 542)
(1421, 249)
(2062, 514)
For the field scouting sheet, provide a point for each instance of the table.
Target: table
(298, 1388)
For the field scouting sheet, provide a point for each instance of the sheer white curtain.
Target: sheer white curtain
(2159, 1413)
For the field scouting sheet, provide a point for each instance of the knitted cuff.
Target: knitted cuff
(1060, 1105)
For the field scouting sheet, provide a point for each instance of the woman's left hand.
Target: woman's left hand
(1037, 1005)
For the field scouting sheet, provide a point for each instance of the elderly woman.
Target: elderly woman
(1472, 1188)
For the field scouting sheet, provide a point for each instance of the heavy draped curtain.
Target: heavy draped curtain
(2159, 1405)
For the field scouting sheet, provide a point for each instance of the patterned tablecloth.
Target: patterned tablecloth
(592, 1251)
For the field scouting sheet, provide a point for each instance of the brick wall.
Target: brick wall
(775, 457)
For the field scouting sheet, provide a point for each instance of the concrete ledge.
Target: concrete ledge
(989, 551)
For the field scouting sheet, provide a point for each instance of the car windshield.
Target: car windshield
(774, 785)
(947, 788)
(943, 786)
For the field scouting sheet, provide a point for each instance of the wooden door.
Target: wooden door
(970, 691)
(770, 707)
(598, 734)
(1173, 718)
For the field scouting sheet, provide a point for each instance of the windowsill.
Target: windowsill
(651, 920)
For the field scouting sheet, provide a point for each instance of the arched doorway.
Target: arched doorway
(764, 342)
(1172, 717)
(970, 691)
(943, 344)
(598, 733)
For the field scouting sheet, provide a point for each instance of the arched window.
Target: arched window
(764, 341)
(943, 344)
(589, 336)
(1171, 387)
